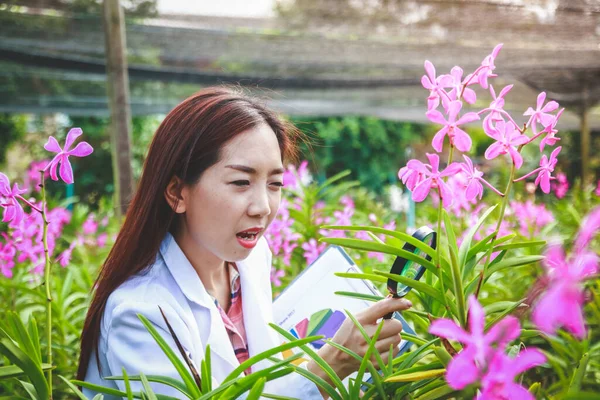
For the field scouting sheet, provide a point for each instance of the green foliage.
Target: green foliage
(371, 148)
(12, 129)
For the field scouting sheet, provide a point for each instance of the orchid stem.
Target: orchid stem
(47, 279)
(500, 219)
(438, 244)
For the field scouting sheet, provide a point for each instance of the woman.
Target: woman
(192, 243)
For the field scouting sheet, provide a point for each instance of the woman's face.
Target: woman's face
(229, 208)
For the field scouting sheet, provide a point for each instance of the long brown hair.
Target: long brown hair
(187, 142)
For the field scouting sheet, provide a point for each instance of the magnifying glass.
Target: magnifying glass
(409, 268)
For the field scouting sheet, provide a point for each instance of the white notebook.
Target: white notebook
(309, 305)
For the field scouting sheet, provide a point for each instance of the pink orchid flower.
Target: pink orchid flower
(475, 177)
(410, 177)
(457, 87)
(9, 200)
(435, 85)
(507, 139)
(478, 347)
(433, 179)
(312, 250)
(496, 108)
(457, 136)
(276, 275)
(550, 139)
(487, 67)
(544, 171)
(562, 303)
(597, 191)
(560, 186)
(81, 150)
(540, 114)
(499, 382)
(589, 227)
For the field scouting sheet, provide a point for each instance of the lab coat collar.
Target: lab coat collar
(183, 272)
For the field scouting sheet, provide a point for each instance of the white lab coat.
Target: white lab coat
(173, 284)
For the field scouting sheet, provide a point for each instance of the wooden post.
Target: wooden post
(118, 99)
(585, 146)
(585, 139)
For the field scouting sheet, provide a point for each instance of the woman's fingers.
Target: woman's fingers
(391, 327)
(381, 308)
(383, 345)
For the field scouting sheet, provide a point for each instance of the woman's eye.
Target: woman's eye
(278, 184)
(241, 183)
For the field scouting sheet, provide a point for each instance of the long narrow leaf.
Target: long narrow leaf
(320, 362)
(184, 355)
(74, 388)
(368, 245)
(27, 364)
(463, 251)
(405, 237)
(179, 366)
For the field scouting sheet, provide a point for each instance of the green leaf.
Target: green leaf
(354, 275)
(511, 263)
(147, 389)
(355, 389)
(458, 288)
(205, 371)
(437, 393)
(74, 388)
(520, 245)
(361, 296)
(336, 177)
(179, 366)
(115, 392)
(579, 373)
(465, 246)
(510, 307)
(30, 389)
(449, 232)
(398, 235)
(368, 245)
(267, 353)
(12, 371)
(27, 364)
(22, 337)
(127, 385)
(418, 285)
(321, 363)
(257, 389)
(165, 380)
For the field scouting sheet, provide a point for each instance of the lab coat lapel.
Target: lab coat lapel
(223, 357)
(257, 306)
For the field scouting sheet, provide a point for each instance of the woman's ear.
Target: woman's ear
(174, 194)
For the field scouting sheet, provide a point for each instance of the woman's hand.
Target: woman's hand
(350, 337)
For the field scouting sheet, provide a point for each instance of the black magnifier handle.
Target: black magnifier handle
(397, 268)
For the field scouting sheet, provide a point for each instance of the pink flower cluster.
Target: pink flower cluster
(483, 359)
(282, 239)
(530, 217)
(560, 186)
(449, 91)
(24, 241)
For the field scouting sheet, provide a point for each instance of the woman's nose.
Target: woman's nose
(260, 206)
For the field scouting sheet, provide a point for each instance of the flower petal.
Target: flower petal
(81, 150)
(52, 145)
(436, 116)
(66, 171)
(470, 96)
(494, 150)
(462, 140)
(448, 329)
(421, 190)
(462, 370)
(476, 316)
(468, 117)
(438, 140)
(527, 359)
(430, 69)
(71, 137)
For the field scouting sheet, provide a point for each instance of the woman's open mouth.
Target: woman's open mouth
(248, 238)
